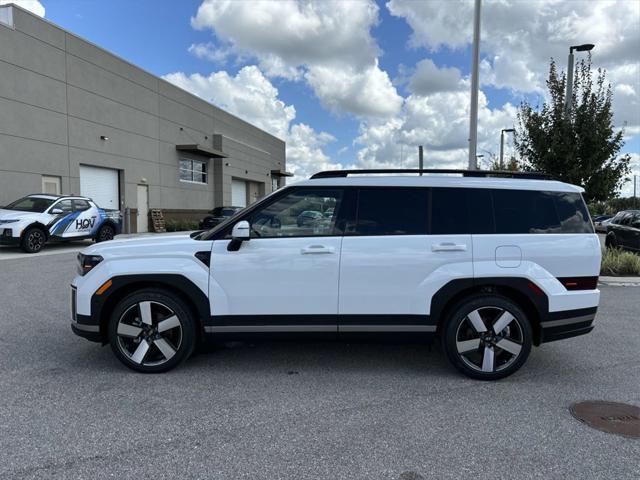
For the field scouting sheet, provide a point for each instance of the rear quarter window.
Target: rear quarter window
(524, 211)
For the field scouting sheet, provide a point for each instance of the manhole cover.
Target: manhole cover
(610, 417)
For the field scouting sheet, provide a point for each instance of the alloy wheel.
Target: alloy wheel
(489, 339)
(149, 333)
(105, 234)
(35, 240)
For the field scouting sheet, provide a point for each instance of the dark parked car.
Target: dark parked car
(308, 218)
(623, 231)
(600, 222)
(218, 215)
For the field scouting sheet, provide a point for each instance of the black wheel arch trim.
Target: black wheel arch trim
(531, 299)
(122, 285)
(39, 225)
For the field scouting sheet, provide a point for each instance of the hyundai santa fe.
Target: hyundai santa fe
(490, 266)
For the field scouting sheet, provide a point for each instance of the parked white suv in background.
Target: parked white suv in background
(490, 265)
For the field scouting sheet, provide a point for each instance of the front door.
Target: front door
(285, 278)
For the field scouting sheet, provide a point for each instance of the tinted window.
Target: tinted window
(392, 211)
(65, 205)
(449, 212)
(81, 205)
(480, 208)
(522, 211)
(30, 204)
(297, 214)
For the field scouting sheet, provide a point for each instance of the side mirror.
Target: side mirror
(241, 231)
(56, 211)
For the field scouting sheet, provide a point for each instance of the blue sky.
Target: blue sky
(373, 52)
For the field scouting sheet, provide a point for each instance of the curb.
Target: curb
(620, 281)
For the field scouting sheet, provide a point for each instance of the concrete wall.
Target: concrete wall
(59, 94)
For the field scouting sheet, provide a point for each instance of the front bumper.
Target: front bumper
(7, 238)
(83, 325)
(567, 324)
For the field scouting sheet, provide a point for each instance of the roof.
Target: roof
(443, 181)
(51, 196)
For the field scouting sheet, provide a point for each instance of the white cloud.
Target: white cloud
(439, 122)
(519, 37)
(34, 6)
(209, 51)
(428, 78)
(252, 97)
(364, 93)
(326, 43)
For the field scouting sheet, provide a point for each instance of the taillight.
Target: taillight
(579, 283)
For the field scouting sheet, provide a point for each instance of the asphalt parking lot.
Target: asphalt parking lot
(69, 409)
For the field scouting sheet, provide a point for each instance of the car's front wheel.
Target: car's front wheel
(152, 331)
(33, 240)
(487, 337)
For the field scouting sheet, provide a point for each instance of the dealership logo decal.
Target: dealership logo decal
(86, 223)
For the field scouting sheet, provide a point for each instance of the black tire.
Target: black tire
(610, 241)
(126, 343)
(490, 360)
(33, 240)
(106, 233)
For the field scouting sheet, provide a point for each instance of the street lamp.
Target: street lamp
(585, 47)
(475, 76)
(508, 130)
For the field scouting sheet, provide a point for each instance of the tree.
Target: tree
(581, 147)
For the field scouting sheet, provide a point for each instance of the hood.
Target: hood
(144, 243)
(16, 214)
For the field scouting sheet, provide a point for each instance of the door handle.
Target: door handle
(316, 250)
(449, 247)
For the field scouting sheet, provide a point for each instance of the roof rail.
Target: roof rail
(464, 173)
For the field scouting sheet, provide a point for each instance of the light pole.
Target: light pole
(508, 130)
(473, 113)
(586, 47)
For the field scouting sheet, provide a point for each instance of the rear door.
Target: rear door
(391, 266)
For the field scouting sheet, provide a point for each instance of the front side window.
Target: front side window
(30, 204)
(301, 213)
(193, 170)
(392, 211)
(65, 205)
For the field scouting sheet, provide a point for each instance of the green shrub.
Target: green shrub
(174, 225)
(617, 262)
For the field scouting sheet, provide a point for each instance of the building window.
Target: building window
(6, 16)
(193, 170)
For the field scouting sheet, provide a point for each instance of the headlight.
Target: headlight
(9, 221)
(86, 263)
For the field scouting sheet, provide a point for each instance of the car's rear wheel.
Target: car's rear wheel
(33, 240)
(106, 232)
(487, 337)
(152, 331)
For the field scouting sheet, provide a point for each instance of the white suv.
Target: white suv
(490, 265)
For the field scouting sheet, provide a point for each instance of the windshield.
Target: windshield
(31, 204)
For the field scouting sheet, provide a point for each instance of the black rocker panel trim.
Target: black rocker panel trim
(302, 320)
(170, 281)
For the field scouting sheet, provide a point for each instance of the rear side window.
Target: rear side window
(523, 211)
(449, 211)
(392, 211)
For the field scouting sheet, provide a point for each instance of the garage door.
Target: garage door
(100, 184)
(238, 193)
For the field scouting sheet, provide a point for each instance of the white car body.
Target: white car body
(342, 283)
(65, 218)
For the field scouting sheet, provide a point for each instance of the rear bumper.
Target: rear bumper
(567, 324)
